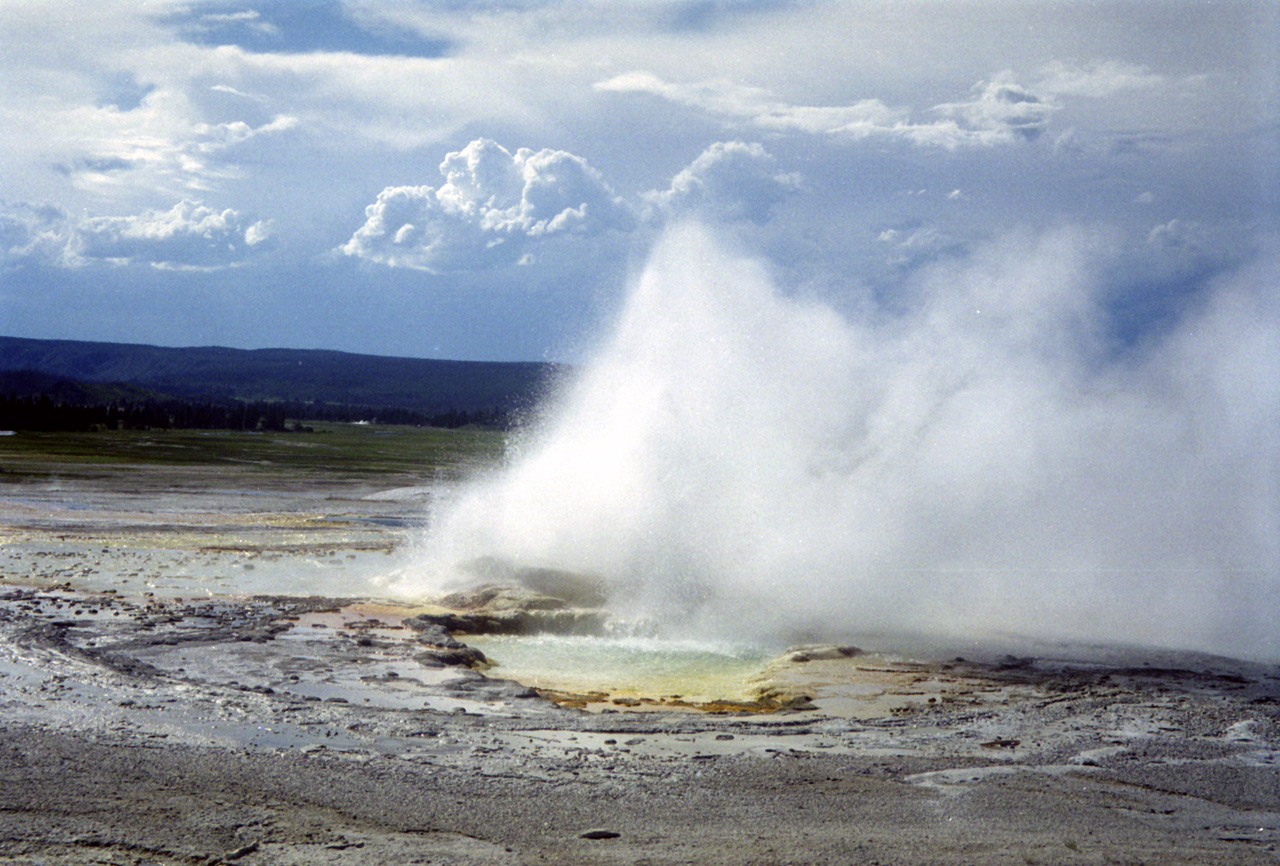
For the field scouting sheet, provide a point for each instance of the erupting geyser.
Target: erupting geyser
(986, 456)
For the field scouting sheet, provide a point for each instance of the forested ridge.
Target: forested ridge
(68, 385)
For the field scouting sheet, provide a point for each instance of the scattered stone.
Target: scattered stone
(519, 621)
(820, 652)
(462, 656)
(432, 633)
(1014, 663)
(599, 833)
(570, 587)
(244, 851)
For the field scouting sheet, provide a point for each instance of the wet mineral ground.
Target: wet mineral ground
(204, 677)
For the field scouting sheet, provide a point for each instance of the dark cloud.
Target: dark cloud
(96, 165)
(699, 16)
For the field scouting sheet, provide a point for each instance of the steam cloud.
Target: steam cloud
(738, 461)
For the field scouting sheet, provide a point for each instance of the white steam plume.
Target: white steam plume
(737, 461)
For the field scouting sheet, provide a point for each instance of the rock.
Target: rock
(1014, 663)
(599, 833)
(820, 652)
(432, 633)
(500, 597)
(515, 621)
(573, 588)
(460, 656)
(244, 851)
(513, 689)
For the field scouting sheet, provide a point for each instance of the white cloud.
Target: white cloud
(208, 138)
(190, 235)
(225, 88)
(491, 208)
(1176, 234)
(40, 234)
(359, 100)
(1000, 112)
(158, 150)
(730, 180)
(913, 245)
(759, 107)
(1097, 80)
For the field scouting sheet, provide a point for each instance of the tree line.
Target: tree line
(46, 414)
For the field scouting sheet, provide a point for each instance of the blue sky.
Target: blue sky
(481, 180)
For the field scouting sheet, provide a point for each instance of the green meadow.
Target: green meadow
(332, 451)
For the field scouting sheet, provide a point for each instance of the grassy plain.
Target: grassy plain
(332, 451)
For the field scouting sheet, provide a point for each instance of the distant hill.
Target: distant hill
(31, 384)
(103, 370)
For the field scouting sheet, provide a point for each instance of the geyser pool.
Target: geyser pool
(982, 454)
(626, 667)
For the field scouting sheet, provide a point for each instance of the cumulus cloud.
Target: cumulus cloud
(998, 112)
(188, 236)
(730, 180)
(493, 206)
